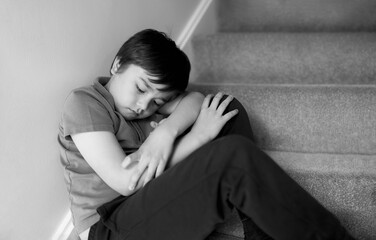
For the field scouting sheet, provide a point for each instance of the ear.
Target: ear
(115, 66)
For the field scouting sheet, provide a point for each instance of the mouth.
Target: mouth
(132, 111)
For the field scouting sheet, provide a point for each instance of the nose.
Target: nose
(142, 105)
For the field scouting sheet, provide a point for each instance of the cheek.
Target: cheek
(126, 99)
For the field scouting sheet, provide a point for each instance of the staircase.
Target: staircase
(305, 71)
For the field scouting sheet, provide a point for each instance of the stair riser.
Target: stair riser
(297, 15)
(338, 58)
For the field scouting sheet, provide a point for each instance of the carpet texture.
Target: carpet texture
(296, 15)
(308, 118)
(305, 70)
(304, 58)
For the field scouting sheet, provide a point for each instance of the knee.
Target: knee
(238, 150)
(235, 144)
(235, 104)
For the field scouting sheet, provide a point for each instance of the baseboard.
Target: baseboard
(194, 20)
(65, 228)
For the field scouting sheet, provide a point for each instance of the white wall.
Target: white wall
(48, 48)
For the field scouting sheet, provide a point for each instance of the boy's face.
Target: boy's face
(134, 95)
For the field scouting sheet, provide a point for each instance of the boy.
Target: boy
(111, 153)
(103, 123)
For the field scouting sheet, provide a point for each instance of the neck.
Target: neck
(109, 83)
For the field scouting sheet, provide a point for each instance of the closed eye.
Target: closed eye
(158, 103)
(139, 89)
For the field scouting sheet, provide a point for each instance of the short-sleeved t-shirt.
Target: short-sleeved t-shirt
(89, 109)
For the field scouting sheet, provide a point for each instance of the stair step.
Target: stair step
(307, 118)
(297, 15)
(304, 58)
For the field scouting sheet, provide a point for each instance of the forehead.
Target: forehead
(157, 89)
(151, 82)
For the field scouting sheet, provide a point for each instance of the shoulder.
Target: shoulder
(85, 98)
(86, 110)
(82, 95)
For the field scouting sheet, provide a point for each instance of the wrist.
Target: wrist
(200, 138)
(166, 132)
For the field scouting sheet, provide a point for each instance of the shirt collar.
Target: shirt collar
(99, 85)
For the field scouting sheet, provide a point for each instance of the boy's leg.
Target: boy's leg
(238, 125)
(188, 200)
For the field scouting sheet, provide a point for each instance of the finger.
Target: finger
(150, 172)
(136, 176)
(215, 101)
(230, 115)
(224, 104)
(153, 124)
(126, 162)
(206, 102)
(129, 159)
(160, 169)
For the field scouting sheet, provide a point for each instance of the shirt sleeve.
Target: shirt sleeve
(84, 112)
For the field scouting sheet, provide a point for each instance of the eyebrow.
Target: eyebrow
(146, 83)
(149, 87)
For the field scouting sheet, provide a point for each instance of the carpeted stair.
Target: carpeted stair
(296, 15)
(278, 57)
(310, 93)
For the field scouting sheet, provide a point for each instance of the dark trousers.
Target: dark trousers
(188, 200)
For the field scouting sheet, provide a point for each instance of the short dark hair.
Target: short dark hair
(158, 54)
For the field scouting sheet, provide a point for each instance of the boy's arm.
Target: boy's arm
(154, 153)
(104, 154)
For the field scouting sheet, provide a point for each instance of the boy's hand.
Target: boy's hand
(211, 119)
(152, 157)
(155, 124)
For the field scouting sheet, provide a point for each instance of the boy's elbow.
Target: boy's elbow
(197, 99)
(197, 96)
(122, 190)
(126, 192)
(123, 185)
